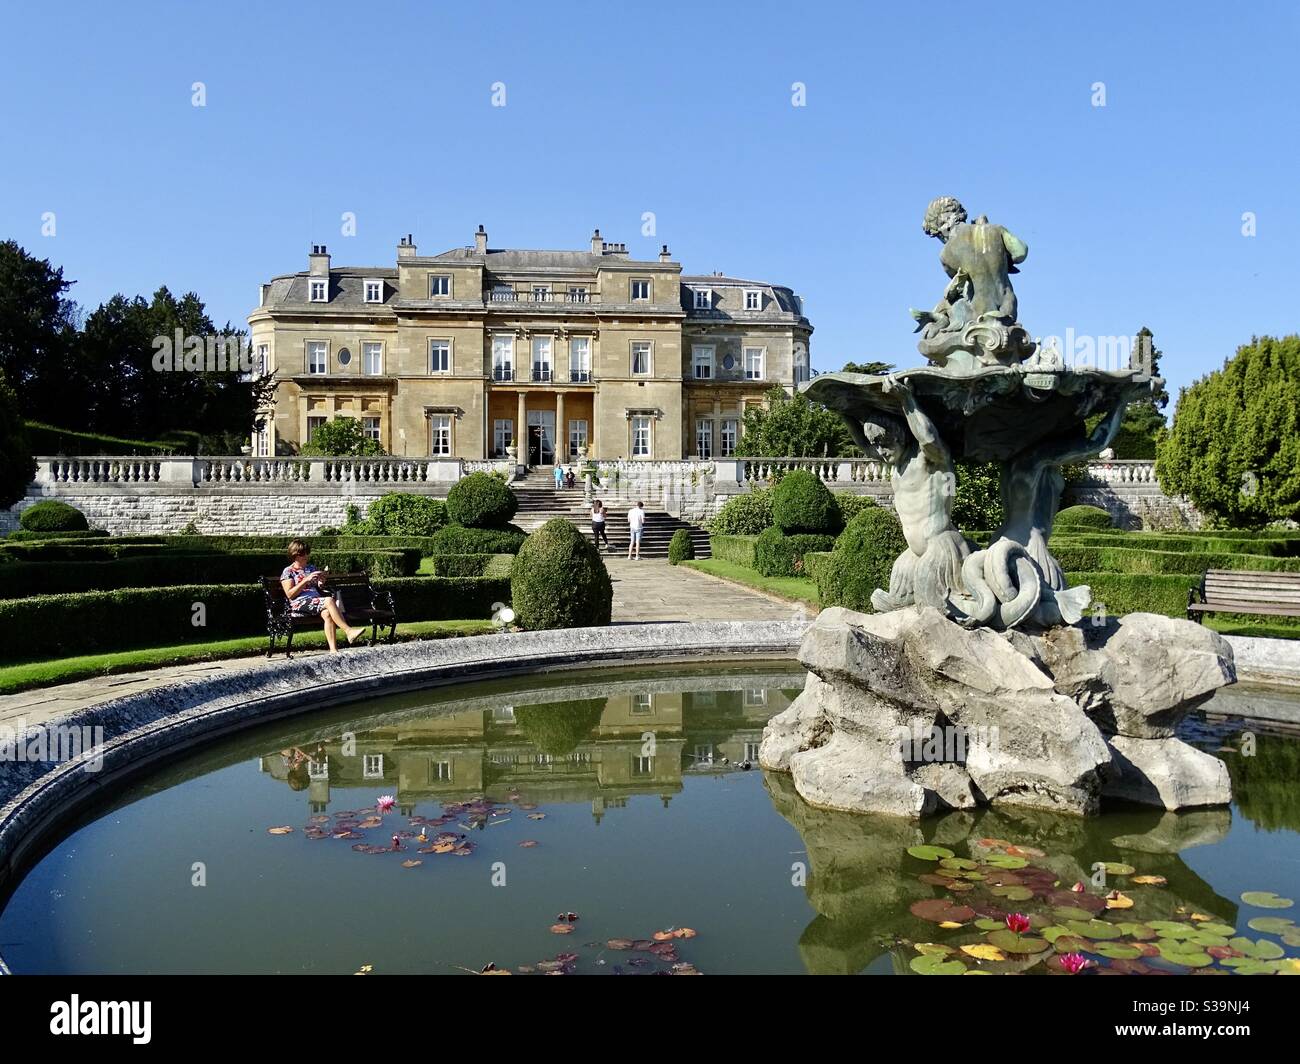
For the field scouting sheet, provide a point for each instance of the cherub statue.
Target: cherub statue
(976, 318)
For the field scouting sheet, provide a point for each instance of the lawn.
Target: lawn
(28, 675)
(793, 588)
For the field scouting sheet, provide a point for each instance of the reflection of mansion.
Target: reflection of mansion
(482, 752)
(464, 353)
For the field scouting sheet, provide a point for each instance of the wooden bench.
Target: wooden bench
(359, 602)
(1245, 591)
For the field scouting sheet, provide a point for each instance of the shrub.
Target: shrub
(50, 515)
(744, 515)
(978, 499)
(739, 550)
(778, 554)
(556, 728)
(813, 561)
(398, 514)
(559, 580)
(473, 564)
(851, 505)
(864, 554)
(481, 500)
(100, 621)
(1091, 517)
(1121, 593)
(341, 437)
(17, 466)
(457, 540)
(681, 548)
(802, 503)
(22, 535)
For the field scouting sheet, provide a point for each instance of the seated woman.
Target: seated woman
(301, 582)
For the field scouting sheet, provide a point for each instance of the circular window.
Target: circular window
(345, 356)
(729, 362)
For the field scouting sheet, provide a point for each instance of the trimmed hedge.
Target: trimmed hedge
(1281, 547)
(91, 622)
(473, 564)
(560, 581)
(457, 540)
(862, 560)
(20, 535)
(50, 515)
(343, 541)
(23, 579)
(813, 562)
(851, 505)
(481, 500)
(681, 548)
(53, 550)
(779, 554)
(739, 550)
(1121, 593)
(744, 515)
(801, 503)
(1136, 560)
(1083, 516)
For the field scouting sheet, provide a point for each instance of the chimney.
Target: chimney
(597, 243)
(480, 241)
(663, 254)
(318, 262)
(406, 247)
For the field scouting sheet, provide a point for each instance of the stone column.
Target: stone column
(521, 430)
(561, 431)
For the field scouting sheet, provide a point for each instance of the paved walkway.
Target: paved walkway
(644, 592)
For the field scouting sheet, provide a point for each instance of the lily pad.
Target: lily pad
(1262, 950)
(1118, 868)
(934, 949)
(930, 853)
(927, 964)
(1012, 893)
(941, 910)
(1189, 956)
(1010, 942)
(1117, 951)
(964, 864)
(1098, 930)
(984, 951)
(1002, 860)
(1266, 899)
(1271, 925)
(1150, 881)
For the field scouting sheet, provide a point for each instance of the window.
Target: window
(754, 363)
(372, 766)
(640, 358)
(541, 293)
(643, 766)
(577, 294)
(751, 752)
(641, 704)
(704, 438)
(318, 291)
(439, 285)
(503, 434)
(317, 356)
(640, 291)
(372, 358)
(439, 771)
(439, 434)
(801, 373)
(370, 426)
(703, 299)
(263, 359)
(541, 358)
(374, 291)
(503, 358)
(702, 360)
(728, 439)
(313, 423)
(580, 358)
(439, 356)
(753, 299)
(755, 696)
(640, 437)
(703, 754)
(577, 436)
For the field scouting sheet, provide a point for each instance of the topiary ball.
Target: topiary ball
(802, 503)
(851, 505)
(1081, 517)
(481, 500)
(50, 515)
(862, 559)
(559, 580)
(681, 548)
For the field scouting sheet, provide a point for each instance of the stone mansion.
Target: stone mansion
(558, 353)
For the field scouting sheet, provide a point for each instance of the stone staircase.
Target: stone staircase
(540, 501)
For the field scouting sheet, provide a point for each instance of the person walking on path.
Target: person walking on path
(598, 533)
(635, 525)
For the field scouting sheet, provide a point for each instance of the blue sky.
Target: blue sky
(1132, 211)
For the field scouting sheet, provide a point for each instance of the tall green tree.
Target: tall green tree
(1234, 446)
(793, 427)
(1144, 423)
(17, 467)
(38, 331)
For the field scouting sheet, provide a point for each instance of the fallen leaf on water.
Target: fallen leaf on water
(982, 951)
(1150, 881)
(1116, 900)
(684, 932)
(283, 829)
(411, 864)
(561, 929)
(528, 843)
(536, 816)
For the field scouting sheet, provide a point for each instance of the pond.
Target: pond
(614, 822)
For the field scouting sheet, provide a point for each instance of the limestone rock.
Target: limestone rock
(1165, 772)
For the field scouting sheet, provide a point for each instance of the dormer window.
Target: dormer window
(703, 299)
(640, 291)
(374, 291)
(318, 290)
(753, 299)
(439, 285)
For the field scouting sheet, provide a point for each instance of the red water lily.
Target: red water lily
(1074, 963)
(1017, 922)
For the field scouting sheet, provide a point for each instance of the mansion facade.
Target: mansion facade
(559, 354)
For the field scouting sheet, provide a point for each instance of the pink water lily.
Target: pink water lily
(386, 803)
(1074, 963)
(1017, 922)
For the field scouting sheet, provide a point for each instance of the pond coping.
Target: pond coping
(146, 727)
